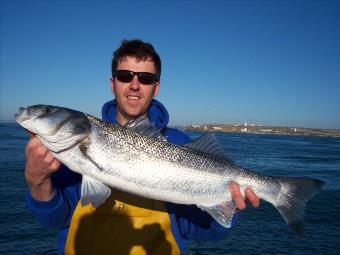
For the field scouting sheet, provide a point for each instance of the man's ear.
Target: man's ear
(156, 88)
(112, 84)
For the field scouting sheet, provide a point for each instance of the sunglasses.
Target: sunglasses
(143, 77)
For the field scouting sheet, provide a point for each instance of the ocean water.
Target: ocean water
(258, 231)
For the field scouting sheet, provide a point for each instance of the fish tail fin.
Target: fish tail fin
(291, 203)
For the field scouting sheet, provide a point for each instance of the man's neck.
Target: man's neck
(122, 120)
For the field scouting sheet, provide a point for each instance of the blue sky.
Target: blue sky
(262, 62)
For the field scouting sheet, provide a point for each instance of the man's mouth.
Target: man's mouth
(133, 97)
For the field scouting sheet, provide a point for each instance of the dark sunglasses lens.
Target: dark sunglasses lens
(146, 78)
(124, 76)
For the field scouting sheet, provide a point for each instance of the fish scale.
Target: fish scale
(152, 173)
(144, 152)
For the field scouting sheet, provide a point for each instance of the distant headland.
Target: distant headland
(261, 129)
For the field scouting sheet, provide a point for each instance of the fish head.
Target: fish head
(57, 127)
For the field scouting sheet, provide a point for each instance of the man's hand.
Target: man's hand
(40, 164)
(239, 200)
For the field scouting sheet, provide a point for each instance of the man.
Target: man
(124, 224)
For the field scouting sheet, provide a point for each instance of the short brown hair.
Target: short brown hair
(139, 49)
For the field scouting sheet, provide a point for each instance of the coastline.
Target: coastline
(265, 130)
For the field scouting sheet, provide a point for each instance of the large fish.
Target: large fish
(108, 155)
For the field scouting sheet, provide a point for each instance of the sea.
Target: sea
(258, 230)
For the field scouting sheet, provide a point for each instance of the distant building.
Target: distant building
(245, 128)
(265, 130)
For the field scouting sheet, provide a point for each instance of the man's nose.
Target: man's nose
(134, 84)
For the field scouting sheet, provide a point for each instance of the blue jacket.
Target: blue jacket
(187, 222)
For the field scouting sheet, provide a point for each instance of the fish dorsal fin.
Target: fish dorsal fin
(222, 213)
(209, 144)
(142, 125)
(93, 192)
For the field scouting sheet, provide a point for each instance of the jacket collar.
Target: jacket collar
(157, 113)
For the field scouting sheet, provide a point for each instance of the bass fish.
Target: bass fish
(140, 161)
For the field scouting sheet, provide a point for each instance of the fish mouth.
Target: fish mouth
(26, 113)
(22, 114)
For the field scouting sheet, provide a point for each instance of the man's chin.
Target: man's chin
(135, 114)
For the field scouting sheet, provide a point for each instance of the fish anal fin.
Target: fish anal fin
(222, 213)
(93, 192)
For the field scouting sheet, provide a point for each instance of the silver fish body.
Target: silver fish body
(114, 156)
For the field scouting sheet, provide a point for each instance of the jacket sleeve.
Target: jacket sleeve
(57, 212)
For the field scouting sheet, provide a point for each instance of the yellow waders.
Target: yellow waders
(123, 225)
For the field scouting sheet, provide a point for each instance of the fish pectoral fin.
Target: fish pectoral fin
(222, 213)
(93, 192)
(83, 147)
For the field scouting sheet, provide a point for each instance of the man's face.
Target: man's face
(133, 98)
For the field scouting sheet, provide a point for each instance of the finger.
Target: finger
(48, 158)
(41, 151)
(252, 197)
(33, 143)
(237, 196)
(55, 164)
